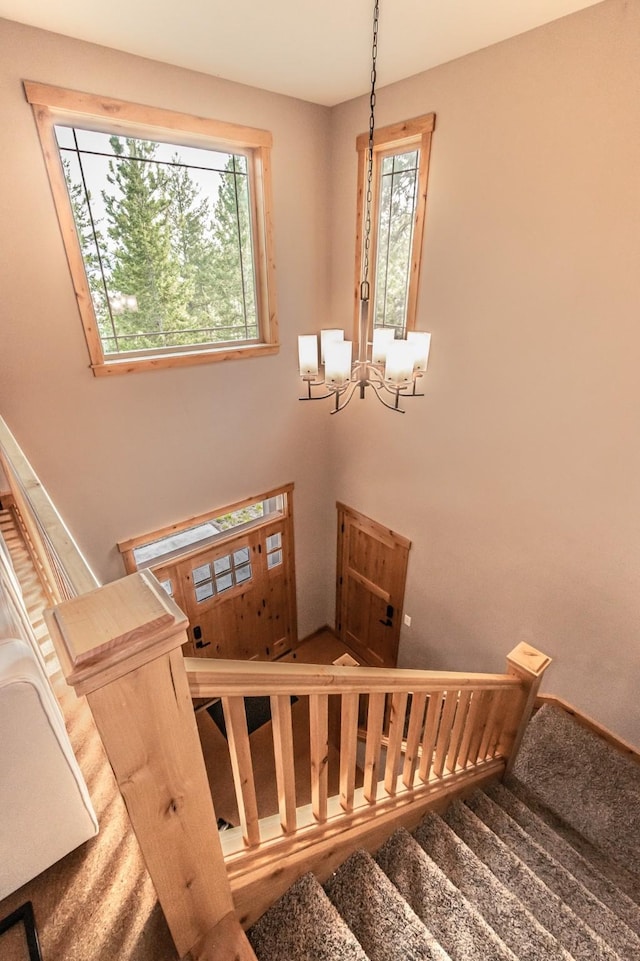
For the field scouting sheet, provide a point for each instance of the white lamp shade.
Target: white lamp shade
(421, 343)
(308, 354)
(400, 360)
(337, 362)
(382, 337)
(328, 337)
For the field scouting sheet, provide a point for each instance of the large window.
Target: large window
(399, 194)
(165, 219)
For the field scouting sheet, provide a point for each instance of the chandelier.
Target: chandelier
(391, 366)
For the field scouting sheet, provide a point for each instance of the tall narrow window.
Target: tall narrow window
(399, 194)
(164, 219)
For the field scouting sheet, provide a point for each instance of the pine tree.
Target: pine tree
(91, 241)
(142, 260)
(190, 217)
(233, 263)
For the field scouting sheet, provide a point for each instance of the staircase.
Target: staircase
(545, 867)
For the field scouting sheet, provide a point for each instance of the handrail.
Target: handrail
(59, 562)
(209, 677)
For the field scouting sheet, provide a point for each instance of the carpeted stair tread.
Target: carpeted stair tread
(304, 925)
(457, 925)
(582, 942)
(510, 919)
(380, 918)
(617, 873)
(585, 781)
(556, 877)
(581, 869)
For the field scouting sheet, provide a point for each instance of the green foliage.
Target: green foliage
(176, 271)
(395, 232)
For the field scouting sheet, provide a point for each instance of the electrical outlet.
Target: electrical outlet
(407, 620)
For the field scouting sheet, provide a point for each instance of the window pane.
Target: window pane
(204, 592)
(396, 209)
(274, 560)
(166, 237)
(241, 556)
(224, 583)
(222, 564)
(243, 574)
(167, 586)
(202, 573)
(274, 541)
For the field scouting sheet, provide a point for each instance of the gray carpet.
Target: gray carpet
(545, 869)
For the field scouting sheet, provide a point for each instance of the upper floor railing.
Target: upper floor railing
(62, 568)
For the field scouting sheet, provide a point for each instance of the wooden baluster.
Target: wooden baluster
(394, 746)
(375, 719)
(414, 734)
(444, 734)
(470, 726)
(490, 735)
(319, 733)
(121, 646)
(431, 727)
(348, 746)
(505, 700)
(458, 731)
(486, 700)
(235, 719)
(529, 665)
(285, 760)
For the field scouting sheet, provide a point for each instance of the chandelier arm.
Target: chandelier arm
(393, 407)
(348, 392)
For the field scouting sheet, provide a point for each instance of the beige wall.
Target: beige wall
(127, 455)
(517, 476)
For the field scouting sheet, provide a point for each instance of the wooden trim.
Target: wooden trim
(212, 355)
(396, 134)
(54, 104)
(63, 103)
(140, 539)
(261, 877)
(620, 745)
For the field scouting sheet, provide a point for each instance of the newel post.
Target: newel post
(529, 665)
(121, 646)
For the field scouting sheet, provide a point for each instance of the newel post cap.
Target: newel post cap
(526, 661)
(106, 633)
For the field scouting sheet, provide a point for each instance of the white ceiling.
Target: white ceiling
(318, 51)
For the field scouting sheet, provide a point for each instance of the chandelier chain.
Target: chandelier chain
(364, 287)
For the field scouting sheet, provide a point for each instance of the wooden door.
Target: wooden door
(237, 596)
(372, 567)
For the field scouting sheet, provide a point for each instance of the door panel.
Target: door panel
(238, 596)
(372, 566)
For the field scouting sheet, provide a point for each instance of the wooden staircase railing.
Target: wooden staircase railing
(447, 733)
(121, 646)
(62, 569)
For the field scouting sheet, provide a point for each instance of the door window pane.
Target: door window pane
(202, 573)
(204, 592)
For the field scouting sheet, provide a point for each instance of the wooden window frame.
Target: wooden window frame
(397, 137)
(56, 105)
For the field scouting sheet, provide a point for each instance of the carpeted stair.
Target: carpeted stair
(545, 868)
